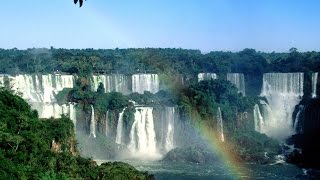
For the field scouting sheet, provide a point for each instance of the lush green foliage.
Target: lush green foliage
(27, 151)
(165, 61)
(204, 98)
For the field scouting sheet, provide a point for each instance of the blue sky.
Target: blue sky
(208, 25)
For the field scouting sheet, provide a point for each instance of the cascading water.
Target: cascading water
(283, 92)
(145, 82)
(220, 124)
(120, 128)
(118, 83)
(169, 141)
(258, 119)
(314, 84)
(40, 91)
(238, 80)
(297, 122)
(1, 81)
(29, 88)
(96, 80)
(92, 123)
(113, 82)
(73, 114)
(107, 123)
(206, 76)
(142, 135)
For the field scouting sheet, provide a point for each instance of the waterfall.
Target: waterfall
(107, 123)
(118, 83)
(113, 82)
(145, 82)
(1, 81)
(220, 124)
(238, 80)
(92, 123)
(96, 80)
(48, 89)
(297, 122)
(170, 113)
(63, 81)
(142, 134)
(29, 88)
(40, 91)
(258, 119)
(314, 84)
(206, 76)
(283, 92)
(120, 128)
(73, 114)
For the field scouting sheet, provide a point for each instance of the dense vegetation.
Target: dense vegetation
(199, 103)
(167, 61)
(31, 148)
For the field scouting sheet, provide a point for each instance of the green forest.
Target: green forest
(33, 148)
(167, 61)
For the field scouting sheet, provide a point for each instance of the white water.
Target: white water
(113, 82)
(258, 119)
(142, 135)
(297, 127)
(220, 124)
(283, 92)
(29, 88)
(206, 76)
(107, 123)
(92, 123)
(1, 81)
(73, 114)
(40, 91)
(96, 80)
(120, 128)
(238, 80)
(314, 84)
(145, 82)
(169, 141)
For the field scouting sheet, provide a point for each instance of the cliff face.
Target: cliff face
(308, 124)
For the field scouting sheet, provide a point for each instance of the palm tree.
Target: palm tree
(80, 2)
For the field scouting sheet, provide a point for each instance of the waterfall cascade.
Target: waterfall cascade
(40, 91)
(206, 76)
(113, 82)
(298, 120)
(96, 80)
(314, 84)
(73, 114)
(283, 92)
(92, 123)
(145, 82)
(2, 80)
(107, 123)
(120, 128)
(258, 119)
(169, 137)
(220, 124)
(142, 134)
(238, 80)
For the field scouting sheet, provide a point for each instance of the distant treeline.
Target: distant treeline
(169, 61)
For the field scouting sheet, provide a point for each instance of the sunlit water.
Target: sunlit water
(193, 171)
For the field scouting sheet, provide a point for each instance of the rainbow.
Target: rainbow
(230, 161)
